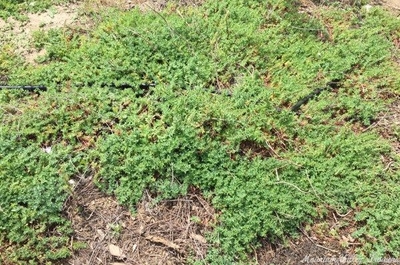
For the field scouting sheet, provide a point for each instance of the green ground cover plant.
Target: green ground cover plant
(17, 8)
(265, 169)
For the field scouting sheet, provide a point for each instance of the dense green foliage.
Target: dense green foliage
(266, 170)
(32, 197)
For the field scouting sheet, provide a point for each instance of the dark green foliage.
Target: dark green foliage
(32, 193)
(265, 169)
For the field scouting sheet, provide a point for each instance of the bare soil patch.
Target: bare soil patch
(394, 5)
(388, 125)
(19, 34)
(169, 232)
(327, 241)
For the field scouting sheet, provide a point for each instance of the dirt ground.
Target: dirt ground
(175, 231)
(169, 232)
(19, 34)
(392, 4)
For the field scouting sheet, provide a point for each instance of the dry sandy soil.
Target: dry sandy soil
(171, 232)
(393, 4)
(20, 33)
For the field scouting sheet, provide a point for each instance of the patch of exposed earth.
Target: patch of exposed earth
(19, 34)
(168, 232)
(394, 5)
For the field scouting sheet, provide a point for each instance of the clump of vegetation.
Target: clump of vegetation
(266, 169)
(17, 8)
